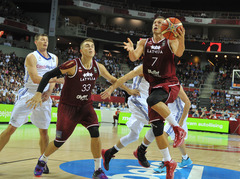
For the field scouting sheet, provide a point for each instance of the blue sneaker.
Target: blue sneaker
(185, 163)
(161, 169)
(99, 174)
(39, 168)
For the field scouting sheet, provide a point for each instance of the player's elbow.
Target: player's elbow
(188, 103)
(35, 80)
(179, 54)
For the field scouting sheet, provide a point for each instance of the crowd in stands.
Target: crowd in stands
(11, 77)
(10, 11)
(122, 4)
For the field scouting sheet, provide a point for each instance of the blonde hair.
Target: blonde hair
(86, 40)
(36, 37)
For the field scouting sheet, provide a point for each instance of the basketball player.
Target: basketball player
(159, 71)
(37, 64)
(75, 104)
(138, 108)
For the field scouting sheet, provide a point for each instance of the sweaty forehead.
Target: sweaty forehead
(88, 44)
(158, 20)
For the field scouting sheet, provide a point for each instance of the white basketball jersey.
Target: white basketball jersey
(43, 65)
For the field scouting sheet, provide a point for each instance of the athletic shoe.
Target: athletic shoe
(106, 156)
(142, 160)
(46, 169)
(171, 166)
(180, 134)
(161, 169)
(39, 168)
(99, 174)
(185, 163)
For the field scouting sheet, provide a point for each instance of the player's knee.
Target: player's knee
(157, 95)
(134, 137)
(94, 131)
(157, 127)
(58, 144)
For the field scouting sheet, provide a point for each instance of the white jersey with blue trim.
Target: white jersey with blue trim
(43, 65)
(138, 104)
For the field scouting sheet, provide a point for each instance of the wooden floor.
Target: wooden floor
(19, 157)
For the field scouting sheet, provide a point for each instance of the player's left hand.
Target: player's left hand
(35, 100)
(180, 33)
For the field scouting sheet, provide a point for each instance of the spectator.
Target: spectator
(115, 117)
(195, 114)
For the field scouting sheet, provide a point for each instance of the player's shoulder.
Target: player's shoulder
(31, 56)
(143, 41)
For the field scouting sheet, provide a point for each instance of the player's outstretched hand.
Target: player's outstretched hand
(107, 93)
(128, 45)
(35, 100)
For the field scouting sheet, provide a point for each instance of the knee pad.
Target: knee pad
(94, 132)
(157, 127)
(58, 144)
(156, 96)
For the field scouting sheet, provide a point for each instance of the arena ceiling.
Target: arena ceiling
(204, 5)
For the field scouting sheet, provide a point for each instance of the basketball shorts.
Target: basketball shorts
(139, 117)
(69, 116)
(40, 117)
(172, 89)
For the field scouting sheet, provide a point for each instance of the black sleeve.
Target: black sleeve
(46, 77)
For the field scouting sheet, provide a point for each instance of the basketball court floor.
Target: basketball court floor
(214, 156)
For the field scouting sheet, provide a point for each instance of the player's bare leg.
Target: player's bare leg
(5, 135)
(43, 143)
(96, 152)
(44, 140)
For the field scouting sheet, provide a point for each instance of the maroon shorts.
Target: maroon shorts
(69, 116)
(172, 89)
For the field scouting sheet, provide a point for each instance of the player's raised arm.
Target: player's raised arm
(68, 68)
(183, 96)
(134, 54)
(107, 93)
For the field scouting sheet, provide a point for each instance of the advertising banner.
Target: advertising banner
(6, 110)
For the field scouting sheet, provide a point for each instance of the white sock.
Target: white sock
(97, 163)
(115, 146)
(171, 120)
(144, 144)
(185, 157)
(43, 158)
(165, 154)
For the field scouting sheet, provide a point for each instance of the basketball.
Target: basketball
(169, 27)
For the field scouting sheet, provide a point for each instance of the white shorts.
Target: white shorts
(139, 117)
(40, 117)
(169, 130)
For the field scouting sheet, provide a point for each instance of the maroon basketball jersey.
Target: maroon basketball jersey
(158, 62)
(77, 89)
